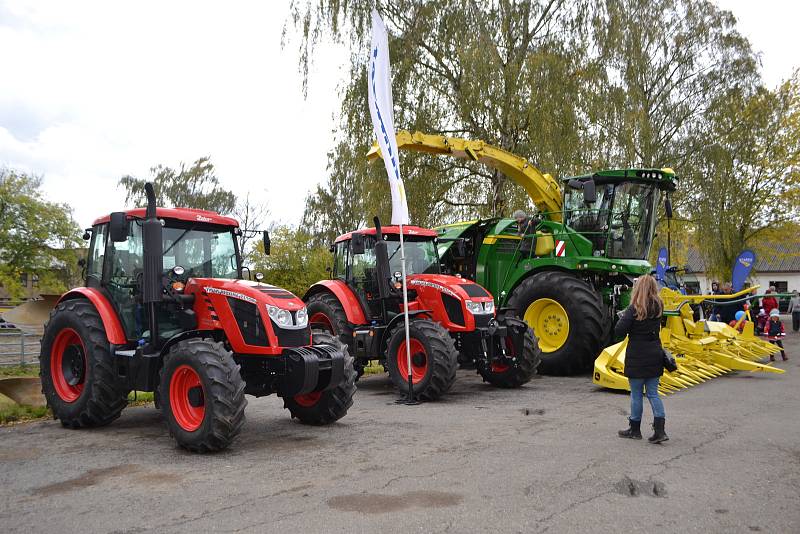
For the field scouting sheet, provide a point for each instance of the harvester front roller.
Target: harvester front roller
(566, 315)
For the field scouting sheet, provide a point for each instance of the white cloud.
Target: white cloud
(96, 90)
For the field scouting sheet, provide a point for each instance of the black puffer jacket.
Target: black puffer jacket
(644, 357)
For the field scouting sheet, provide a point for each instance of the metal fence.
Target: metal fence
(18, 348)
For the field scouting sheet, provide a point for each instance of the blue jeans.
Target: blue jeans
(640, 386)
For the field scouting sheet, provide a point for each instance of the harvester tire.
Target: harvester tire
(202, 395)
(325, 407)
(584, 310)
(434, 359)
(515, 376)
(77, 369)
(324, 305)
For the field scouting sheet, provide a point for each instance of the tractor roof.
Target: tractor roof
(181, 214)
(665, 178)
(414, 231)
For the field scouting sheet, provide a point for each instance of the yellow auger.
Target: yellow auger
(702, 349)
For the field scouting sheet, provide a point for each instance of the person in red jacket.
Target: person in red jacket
(769, 303)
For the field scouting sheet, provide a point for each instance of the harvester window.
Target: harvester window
(592, 220)
(632, 221)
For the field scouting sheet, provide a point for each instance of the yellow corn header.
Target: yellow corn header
(702, 349)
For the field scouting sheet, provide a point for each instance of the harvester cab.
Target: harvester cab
(451, 319)
(569, 275)
(165, 309)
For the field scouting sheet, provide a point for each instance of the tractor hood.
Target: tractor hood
(253, 292)
(430, 285)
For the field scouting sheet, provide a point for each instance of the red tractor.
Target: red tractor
(452, 319)
(165, 309)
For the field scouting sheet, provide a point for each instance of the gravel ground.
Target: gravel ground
(544, 458)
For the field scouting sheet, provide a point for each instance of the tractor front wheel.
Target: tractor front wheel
(76, 367)
(566, 315)
(513, 376)
(326, 314)
(434, 359)
(325, 407)
(202, 395)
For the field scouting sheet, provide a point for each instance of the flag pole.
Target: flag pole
(410, 399)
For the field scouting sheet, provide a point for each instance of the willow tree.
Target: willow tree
(503, 72)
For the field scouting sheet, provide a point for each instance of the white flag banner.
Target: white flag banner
(381, 109)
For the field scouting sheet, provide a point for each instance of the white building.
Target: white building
(781, 269)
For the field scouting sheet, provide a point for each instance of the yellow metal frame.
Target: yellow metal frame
(542, 188)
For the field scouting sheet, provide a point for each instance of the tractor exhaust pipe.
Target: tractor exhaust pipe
(153, 264)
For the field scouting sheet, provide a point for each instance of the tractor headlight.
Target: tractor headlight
(301, 318)
(488, 307)
(474, 307)
(281, 317)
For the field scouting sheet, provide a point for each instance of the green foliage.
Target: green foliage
(16, 413)
(19, 370)
(296, 261)
(572, 86)
(747, 184)
(194, 187)
(37, 237)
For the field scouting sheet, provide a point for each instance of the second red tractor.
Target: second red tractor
(452, 319)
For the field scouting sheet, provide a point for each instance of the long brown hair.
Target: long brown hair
(645, 299)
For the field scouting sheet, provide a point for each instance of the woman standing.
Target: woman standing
(644, 357)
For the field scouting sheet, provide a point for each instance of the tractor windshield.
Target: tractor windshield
(207, 252)
(422, 257)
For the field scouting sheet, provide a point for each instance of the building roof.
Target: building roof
(785, 258)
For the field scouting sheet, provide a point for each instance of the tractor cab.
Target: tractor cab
(195, 244)
(616, 210)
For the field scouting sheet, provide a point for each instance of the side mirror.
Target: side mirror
(118, 227)
(668, 207)
(357, 245)
(589, 192)
(87, 234)
(267, 243)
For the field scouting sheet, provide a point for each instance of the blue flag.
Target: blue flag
(661, 263)
(741, 269)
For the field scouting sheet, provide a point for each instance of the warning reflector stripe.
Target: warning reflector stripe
(561, 248)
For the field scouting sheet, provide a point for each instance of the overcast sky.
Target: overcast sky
(94, 90)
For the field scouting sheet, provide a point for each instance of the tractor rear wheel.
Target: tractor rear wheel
(325, 407)
(77, 368)
(510, 376)
(202, 395)
(434, 359)
(326, 313)
(567, 317)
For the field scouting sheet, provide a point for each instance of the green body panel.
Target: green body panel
(494, 260)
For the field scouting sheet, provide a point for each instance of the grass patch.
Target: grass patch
(8, 371)
(140, 398)
(373, 369)
(17, 413)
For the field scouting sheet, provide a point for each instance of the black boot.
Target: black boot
(659, 435)
(634, 432)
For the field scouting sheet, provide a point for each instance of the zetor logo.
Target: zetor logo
(202, 218)
(437, 287)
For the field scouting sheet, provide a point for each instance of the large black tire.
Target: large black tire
(436, 359)
(202, 395)
(325, 407)
(584, 311)
(77, 368)
(324, 305)
(526, 364)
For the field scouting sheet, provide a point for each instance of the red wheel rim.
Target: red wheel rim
(68, 365)
(419, 361)
(320, 320)
(187, 398)
(309, 399)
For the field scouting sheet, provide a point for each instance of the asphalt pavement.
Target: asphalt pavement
(544, 458)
